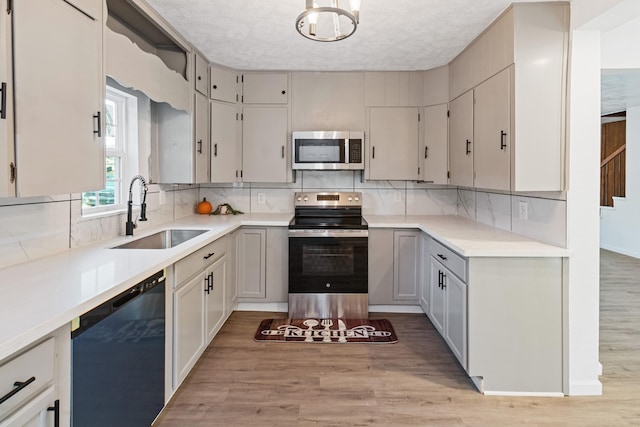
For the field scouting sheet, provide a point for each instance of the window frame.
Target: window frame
(125, 150)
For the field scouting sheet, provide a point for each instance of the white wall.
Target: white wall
(619, 229)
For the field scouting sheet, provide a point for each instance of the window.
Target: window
(120, 154)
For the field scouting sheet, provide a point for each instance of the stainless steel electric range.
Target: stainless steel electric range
(328, 257)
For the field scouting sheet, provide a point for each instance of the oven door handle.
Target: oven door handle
(329, 233)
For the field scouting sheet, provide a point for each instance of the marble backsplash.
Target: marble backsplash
(379, 197)
(31, 228)
(34, 227)
(545, 218)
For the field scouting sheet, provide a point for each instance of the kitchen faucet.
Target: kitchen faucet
(130, 225)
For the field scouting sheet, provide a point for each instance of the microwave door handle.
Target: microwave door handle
(347, 152)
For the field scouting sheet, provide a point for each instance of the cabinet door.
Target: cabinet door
(406, 276)
(437, 296)
(231, 290)
(425, 278)
(393, 142)
(215, 283)
(277, 260)
(201, 78)
(455, 331)
(265, 88)
(436, 144)
(35, 413)
(461, 140)
(264, 143)
(393, 89)
(60, 96)
(188, 331)
(251, 263)
(224, 160)
(380, 266)
(7, 155)
(224, 84)
(202, 138)
(492, 132)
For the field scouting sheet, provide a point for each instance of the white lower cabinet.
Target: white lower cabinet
(251, 263)
(448, 310)
(394, 274)
(406, 265)
(263, 264)
(231, 290)
(188, 330)
(198, 304)
(35, 384)
(215, 282)
(38, 412)
(425, 279)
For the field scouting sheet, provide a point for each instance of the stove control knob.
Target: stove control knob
(350, 198)
(328, 285)
(357, 199)
(299, 198)
(306, 198)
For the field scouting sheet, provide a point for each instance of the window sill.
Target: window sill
(104, 214)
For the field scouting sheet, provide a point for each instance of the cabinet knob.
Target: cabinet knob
(215, 86)
(284, 92)
(199, 77)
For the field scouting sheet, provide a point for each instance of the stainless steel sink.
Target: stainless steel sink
(161, 240)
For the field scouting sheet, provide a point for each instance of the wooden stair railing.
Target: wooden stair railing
(612, 176)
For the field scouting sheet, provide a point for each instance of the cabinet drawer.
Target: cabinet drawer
(200, 259)
(450, 259)
(37, 363)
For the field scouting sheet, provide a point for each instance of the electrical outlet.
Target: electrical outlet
(262, 198)
(523, 208)
(397, 196)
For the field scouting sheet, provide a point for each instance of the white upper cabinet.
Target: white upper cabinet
(393, 143)
(492, 132)
(201, 138)
(7, 155)
(265, 88)
(436, 144)
(461, 145)
(224, 84)
(224, 142)
(533, 38)
(264, 143)
(201, 78)
(393, 89)
(59, 86)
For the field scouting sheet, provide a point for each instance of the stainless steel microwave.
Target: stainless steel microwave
(327, 150)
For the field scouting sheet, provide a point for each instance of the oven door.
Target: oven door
(328, 261)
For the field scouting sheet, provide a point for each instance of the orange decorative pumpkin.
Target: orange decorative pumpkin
(204, 207)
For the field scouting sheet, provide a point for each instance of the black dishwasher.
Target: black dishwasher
(118, 359)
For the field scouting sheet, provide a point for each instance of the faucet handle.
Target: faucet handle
(143, 212)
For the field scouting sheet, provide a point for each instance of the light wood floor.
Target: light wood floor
(415, 382)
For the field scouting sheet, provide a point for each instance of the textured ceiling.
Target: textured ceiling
(392, 35)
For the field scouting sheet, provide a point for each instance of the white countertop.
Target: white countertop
(39, 296)
(469, 238)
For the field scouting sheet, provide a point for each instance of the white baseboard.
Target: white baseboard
(585, 388)
(599, 369)
(283, 307)
(280, 307)
(395, 309)
(523, 394)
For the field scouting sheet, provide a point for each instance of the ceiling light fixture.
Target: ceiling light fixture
(328, 23)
